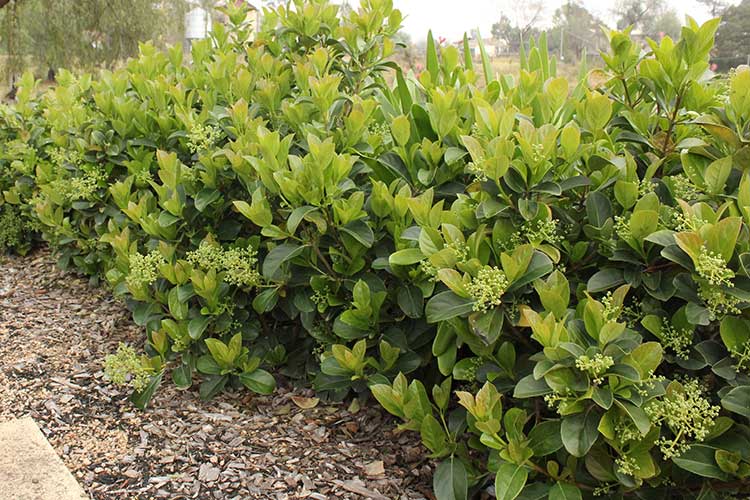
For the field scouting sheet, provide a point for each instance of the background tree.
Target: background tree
(715, 7)
(519, 24)
(732, 48)
(652, 18)
(577, 29)
(49, 34)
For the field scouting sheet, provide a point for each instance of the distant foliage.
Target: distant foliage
(50, 34)
(551, 285)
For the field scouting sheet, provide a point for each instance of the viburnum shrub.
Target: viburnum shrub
(549, 282)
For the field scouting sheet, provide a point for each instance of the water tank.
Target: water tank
(197, 24)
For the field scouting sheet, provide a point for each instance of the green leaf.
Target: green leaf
(212, 385)
(142, 398)
(403, 92)
(700, 460)
(564, 491)
(598, 208)
(206, 197)
(296, 217)
(182, 376)
(410, 301)
(433, 435)
(603, 397)
(278, 256)
(637, 415)
(360, 231)
(259, 381)
(406, 257)
(544, 438)
(529, 387)
(579, 432)
(510, 480)
(489, 75)
(433, 66)
(266, 300)
(717, 173)
(447, 305)
(450, 481)
(645, 358)
(738, 400)
(722, 237)
(385, 396)
(605, 279)
(197, 326)
(735, 332)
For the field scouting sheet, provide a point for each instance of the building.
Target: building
(493, 46)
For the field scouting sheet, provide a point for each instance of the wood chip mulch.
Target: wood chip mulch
(55, 331)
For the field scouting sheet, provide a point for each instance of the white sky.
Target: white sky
(451, 18)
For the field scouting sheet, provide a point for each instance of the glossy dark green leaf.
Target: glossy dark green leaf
(579, 432)
(450, 481)
(447, 305)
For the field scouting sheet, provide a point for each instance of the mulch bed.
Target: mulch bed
(55, 331)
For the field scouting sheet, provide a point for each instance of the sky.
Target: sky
(451, 18)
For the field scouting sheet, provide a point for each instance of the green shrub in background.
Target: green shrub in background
(549, 284)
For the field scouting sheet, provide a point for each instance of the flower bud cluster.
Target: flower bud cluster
(127, 368)
(687, 413)
(202, 137)
(144, 269)
(713, 268)
(487, 288)
(237, 264)
(595, 366)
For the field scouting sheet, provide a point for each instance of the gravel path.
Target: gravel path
(54, 333)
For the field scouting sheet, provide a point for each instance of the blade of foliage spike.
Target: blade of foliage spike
(522, 54)
(583, 67)
(468, 60)
(489, 75)
(403, 92)
(544, 55)
(432, 58)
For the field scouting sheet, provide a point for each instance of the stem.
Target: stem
(544, 471)
(672, 121)
(323, 259)
(627, 92)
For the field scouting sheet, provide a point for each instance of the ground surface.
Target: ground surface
(54, 333)
(30, 468)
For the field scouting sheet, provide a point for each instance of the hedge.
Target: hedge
(549, 282)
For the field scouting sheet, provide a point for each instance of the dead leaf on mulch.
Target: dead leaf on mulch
(305, 403)
(375, 468)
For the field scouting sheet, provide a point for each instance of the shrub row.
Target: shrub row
(550, 283)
